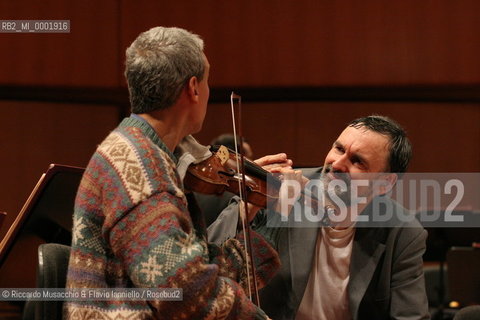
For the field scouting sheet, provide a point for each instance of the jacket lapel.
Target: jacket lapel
(302, 244)
(366, 252)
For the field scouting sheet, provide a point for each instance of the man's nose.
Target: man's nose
(340, 164)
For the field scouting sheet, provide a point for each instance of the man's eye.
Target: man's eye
(358, 163)
(339, 149)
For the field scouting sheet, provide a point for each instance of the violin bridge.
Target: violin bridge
(223, 154)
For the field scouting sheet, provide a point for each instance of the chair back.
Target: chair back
(468, 313)
(52, 273)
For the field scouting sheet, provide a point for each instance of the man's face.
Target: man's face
(358, 155)
(359, 151)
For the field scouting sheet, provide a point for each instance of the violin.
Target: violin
(218, 174)
(227, 170)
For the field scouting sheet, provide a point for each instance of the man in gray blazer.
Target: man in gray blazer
(384, 264)
(377, 273)
(385, 272)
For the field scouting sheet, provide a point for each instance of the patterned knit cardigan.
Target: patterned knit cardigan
(132, 228)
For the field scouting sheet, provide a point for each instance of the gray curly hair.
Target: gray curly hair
(158, 65)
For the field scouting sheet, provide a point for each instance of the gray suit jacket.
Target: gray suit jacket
(386, 269)
(386, 273)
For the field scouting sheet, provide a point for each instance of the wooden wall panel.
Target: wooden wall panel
(33, 135)
(442, 134)
(255, 43)
(87, 56)
(269, 128)
(310, 42)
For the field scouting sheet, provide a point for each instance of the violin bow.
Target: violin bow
(250, 266)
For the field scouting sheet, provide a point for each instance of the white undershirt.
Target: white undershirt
(326, 295)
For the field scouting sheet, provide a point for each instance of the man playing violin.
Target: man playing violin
(134, 224)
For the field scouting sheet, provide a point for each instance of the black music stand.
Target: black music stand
(48, 211)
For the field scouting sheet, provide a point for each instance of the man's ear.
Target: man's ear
(386, 183)
(192, 88)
